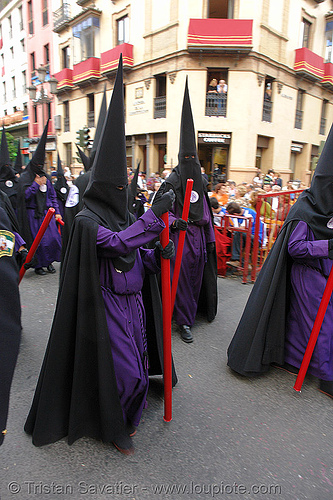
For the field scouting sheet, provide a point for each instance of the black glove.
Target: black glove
(163, 202)
(210, 247)
(167, 253)
(180, 224)
(330, 249)
(21, 258)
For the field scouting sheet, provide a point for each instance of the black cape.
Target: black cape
(260, 335)
(10, 317)
(77, 394)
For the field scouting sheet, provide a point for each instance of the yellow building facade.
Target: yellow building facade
(274, 105)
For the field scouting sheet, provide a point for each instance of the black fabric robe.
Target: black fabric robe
(77, 376)
(259, 338)
(10, 317)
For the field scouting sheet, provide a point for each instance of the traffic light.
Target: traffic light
(79, 138)
(86, 137)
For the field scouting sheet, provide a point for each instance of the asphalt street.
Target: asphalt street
(230, 437)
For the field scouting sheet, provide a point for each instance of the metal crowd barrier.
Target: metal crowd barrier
(280, 203)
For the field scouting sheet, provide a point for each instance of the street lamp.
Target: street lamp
(42, 98)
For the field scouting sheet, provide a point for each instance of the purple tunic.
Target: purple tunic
(198, 234)
(49, 249)
(307, 290)
(124, 308)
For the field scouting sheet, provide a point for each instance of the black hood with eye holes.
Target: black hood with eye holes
(315, 205)
(188, 163)
(104, 201)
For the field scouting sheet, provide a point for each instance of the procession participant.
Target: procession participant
(278, 318)
(94, 378)
(8, 179)
(18, 166)
(12, 254)
(61, 187)
(35, 195)
(136, 198)
(74, 201)
(199, 268)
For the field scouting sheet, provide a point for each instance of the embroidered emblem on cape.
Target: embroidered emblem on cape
(73, 197)
(330, 223)
(194, 197)
(7, 243)
(43, 188)
(63, 190)
(9, 184)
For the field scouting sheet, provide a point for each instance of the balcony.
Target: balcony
(160, 107)
(327, 80)
(65, 79)
(267, 110)
(61, 17)
(220, 35)
(110, 58)
(308, 64)
(87, 72)
(216, 105)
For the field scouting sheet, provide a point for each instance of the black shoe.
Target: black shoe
(40, 271)
(185, 332)
(124, 445)
(51, 269)
(326, 387)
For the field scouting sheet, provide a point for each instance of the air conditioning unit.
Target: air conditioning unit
(57, 122)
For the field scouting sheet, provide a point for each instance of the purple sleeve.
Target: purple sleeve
(149, 261)
(31, 190)
(19, 241)
(301, 245)
(113, 244)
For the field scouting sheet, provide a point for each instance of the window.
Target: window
(216, 92)
(20, 18)
(305, 33)
(123, 30)
(4, 92)
(47, 56)
(49, 111)
(25, 109)
(221, 9)
(299, 109)
(66, 116)
(12, 53)
(68, 147)
(329, 40)
(85, 35)
(33, 65)
(45, 12)
(14, 87)
(65, 57)
(91, 110)
(160, 99)
(30, 18)
(23, 45)
(33, 61)
(10, 27)
(267, 104)
(35, 114)
(322, 126)
(24, 82)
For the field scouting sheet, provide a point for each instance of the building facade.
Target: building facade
(13, 62)
(273, 60)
